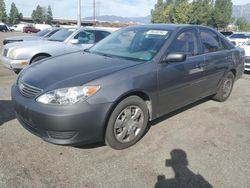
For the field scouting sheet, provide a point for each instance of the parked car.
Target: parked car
(239, 38)
(246, 47)
(19, 27)
(16, 56)
(44, 34)
(110, 91)
(227, 33)
(30, 29)
(4, 28)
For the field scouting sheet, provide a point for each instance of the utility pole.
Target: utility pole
(79, 17)
(94, 12)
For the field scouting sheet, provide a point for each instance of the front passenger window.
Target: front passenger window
(185, 43)
(85, 37)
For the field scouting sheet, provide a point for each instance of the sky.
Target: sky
(67, 9)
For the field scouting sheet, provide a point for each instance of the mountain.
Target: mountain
(242, 11)
(111, 18)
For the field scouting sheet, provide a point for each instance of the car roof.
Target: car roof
(170, 27)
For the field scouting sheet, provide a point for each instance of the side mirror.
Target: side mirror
(174, 57)
(74, 41)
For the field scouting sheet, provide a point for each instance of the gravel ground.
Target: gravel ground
(206, 144)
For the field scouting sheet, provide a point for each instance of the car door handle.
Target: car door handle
(200, 65)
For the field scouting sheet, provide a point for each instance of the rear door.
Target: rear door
(181, 83)
(217, 58)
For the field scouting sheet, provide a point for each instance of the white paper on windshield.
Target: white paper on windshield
(157, 32)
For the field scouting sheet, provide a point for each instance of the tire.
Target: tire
(226, 88)
(127, 123)
(38, 58)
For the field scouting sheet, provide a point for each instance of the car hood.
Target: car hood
(24, 38)
(70, 70)
(31, 43)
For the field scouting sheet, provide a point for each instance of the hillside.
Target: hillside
(242, 11)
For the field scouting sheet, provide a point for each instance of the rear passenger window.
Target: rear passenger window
(210, 41)
(185, 43)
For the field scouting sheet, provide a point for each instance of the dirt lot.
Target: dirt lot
(206, 144)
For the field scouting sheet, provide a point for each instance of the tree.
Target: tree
(222, 14)
(182, 11)
(49, 18)
(14, 16)
(243, 24)
(38, 15)
(158, 12)
(201, 12)
(3, 14)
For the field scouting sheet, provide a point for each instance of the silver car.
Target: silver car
(16, 56)
(44, 34)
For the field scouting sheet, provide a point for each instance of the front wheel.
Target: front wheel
(127, 123)
(225, 89)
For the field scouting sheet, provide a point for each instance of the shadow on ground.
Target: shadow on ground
(184, 177)
(7, 112)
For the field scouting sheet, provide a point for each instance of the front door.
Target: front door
(181, 83)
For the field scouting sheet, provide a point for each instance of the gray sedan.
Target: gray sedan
(16, 56)
(110, 91)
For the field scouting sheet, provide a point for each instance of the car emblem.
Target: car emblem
(21, 87)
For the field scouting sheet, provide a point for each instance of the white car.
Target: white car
(239, 38)
(16, 56)
(246, 47)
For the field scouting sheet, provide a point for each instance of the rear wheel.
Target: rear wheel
(127, 123)
(225, 89)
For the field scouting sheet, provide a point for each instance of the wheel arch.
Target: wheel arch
(39, 54)
(141, 94)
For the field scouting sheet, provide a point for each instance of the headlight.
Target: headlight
(11, 53)
(68, 96)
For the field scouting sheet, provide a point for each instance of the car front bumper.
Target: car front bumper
(14, 64)
(82, 123)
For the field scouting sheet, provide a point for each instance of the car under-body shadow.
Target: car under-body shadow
(7, 112)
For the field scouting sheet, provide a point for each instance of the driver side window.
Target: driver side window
(85, 37)
(185, 43)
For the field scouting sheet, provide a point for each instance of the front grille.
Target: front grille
(62, 135)
(29, 91)
(247, 66)
(5, 52)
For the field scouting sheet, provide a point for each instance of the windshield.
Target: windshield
(61, 35)
(42, 33)
(133, 43)
(239, 36)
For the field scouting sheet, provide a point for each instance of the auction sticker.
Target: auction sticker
(157, 32)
